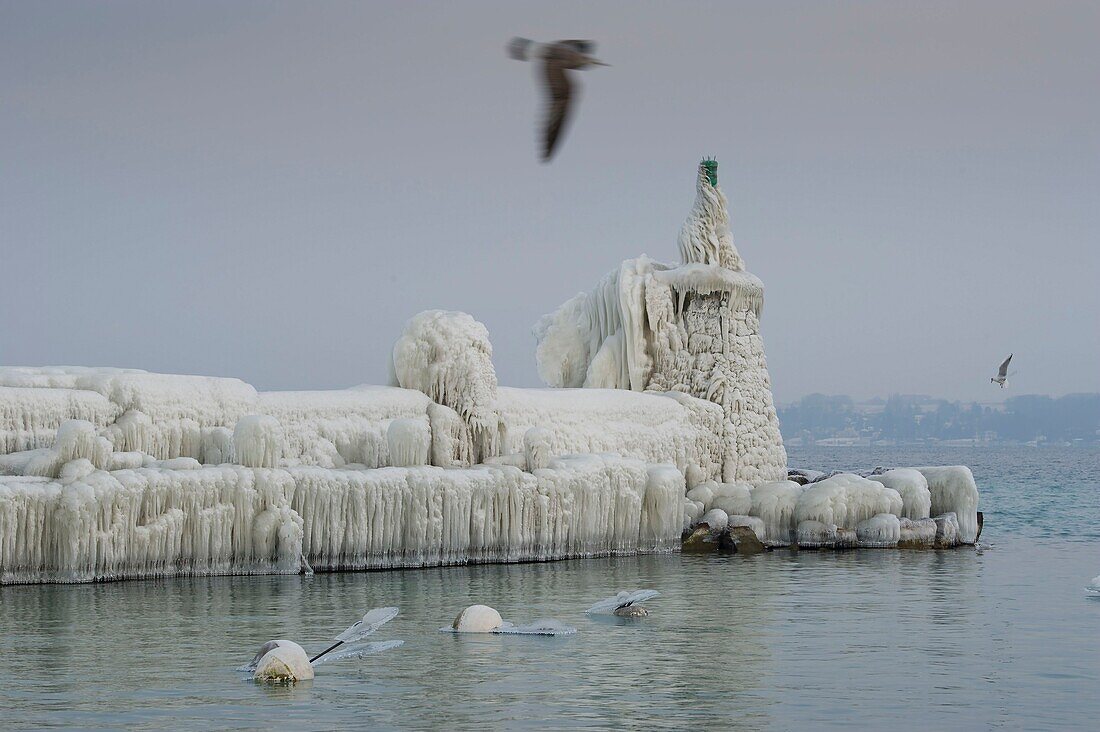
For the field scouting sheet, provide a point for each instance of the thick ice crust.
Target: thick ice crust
(93, 524)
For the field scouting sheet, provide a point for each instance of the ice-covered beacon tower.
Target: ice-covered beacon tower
(692, 328)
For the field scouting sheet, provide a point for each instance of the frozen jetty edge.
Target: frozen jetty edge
(659, 427)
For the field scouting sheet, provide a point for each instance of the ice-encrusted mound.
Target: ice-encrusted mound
(881, 530)
(29, 417)
(258, 441)
(953, 490)
(912, 486)
(409, 442)
(845, 500)
(917, 534)
(813, 534)
(447, 356)
(705, 237)
(564, 346)
(537, 448)
(733, 498)
(774, 503)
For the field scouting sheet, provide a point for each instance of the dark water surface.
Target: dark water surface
(872, 639)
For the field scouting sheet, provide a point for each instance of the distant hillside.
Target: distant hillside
(904, 418)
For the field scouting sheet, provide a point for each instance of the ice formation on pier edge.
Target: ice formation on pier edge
(665, 420)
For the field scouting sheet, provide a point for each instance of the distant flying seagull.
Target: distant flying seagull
(1002, 373)
(557, 59)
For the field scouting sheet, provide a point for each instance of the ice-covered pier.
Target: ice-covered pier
(659, 421)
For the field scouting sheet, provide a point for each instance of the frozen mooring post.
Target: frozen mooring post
(117, 473)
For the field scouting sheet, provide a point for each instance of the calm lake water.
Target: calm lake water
(873, 639)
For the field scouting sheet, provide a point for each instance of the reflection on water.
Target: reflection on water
(871, 639)
(779, 640)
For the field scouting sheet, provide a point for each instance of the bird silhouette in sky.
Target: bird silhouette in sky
(559, 59)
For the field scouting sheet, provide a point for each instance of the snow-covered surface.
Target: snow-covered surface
(651, 427)
(169, 416)
(342, 426)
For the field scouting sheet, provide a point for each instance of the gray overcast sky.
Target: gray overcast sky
(269, 190)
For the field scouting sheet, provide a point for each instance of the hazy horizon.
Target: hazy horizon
(269, 190)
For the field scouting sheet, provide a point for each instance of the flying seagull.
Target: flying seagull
(558, 58)
(1001, 378)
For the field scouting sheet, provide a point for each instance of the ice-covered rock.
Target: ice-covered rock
(743, 539)
(703, 493)
(845, 500)
(716, 519)
(953, 490)
(693, 511)
(775, 504)
(804, 477)
(815, 534)
(477, 619)
(917, 534)
(754, 524)
(912, 486)
(881, 530)
(947, 530)
(733, 498)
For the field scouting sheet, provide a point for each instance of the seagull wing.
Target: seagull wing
(559, 92)
(1002, 372)
(585, 47)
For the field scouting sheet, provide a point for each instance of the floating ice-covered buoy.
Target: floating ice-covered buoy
(286, 661)
(281, 661)
(477, 619)
(484, 619)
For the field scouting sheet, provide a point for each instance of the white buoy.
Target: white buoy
(282, 661)
(477, 619)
